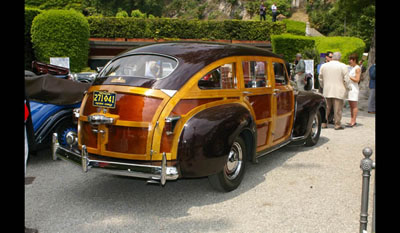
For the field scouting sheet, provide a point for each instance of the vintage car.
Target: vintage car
(175, 110)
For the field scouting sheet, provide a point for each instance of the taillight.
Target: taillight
(170, 123)
(26, 112)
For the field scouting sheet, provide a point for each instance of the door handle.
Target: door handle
(246, 92)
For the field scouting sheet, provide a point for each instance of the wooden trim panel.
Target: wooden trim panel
(139, 132)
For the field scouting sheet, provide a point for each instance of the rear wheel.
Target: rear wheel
(232, 174)
(65, 127)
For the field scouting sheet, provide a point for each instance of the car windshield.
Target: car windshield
(142, 66)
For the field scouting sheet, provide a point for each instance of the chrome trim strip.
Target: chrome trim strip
(54, 146)
(87, 162)
(273, 148)
(170, 93)
(163, 177)
(100, 119)
(294, 120)
(84, 158)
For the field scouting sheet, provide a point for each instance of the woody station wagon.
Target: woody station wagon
(173, 110)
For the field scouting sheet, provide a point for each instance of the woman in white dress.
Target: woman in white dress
(354, 74)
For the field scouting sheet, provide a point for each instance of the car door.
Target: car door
(257, 92)
(283, 102)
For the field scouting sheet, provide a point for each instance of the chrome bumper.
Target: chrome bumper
(87, 162)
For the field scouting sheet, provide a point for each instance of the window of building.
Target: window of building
(223, 77)
(255, 74)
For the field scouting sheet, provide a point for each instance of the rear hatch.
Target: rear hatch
(119, 114)
(126, 130)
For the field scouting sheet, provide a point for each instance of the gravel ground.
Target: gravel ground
(294, 189)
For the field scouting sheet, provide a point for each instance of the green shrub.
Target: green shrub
(30, 14)
(138, 14)
(55, 4)
(289, 45)
(295, 27)
(122, 14)
(61, 33)
(112, 27)
(344, 45)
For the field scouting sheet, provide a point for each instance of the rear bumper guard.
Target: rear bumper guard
(87, 162)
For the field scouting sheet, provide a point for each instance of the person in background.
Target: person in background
(274, 10)
(263, 11)
(300, 72)
(334, 79)
(371, 98)
(354, 76)
(328, 58)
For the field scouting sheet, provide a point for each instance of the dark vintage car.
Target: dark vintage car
(173, 110)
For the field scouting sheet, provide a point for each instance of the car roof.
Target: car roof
(190, 51)
(192, 57)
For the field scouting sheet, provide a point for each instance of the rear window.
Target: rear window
(141, 66)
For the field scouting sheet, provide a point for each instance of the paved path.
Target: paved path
(301, 15)
(294, 189)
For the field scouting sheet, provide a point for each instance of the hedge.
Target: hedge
(289, 45)
(112, 27)
(61, 33)
(295, 27)
(345, 45)
(30, 14)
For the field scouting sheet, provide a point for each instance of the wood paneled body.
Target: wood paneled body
(140, 113)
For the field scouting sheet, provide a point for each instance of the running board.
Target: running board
(271, 149)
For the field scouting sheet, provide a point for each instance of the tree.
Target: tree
(111, 7)
(364, 88)
(344, 18)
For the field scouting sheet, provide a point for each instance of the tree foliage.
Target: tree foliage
(187, 9)
(112, 7)
(343, 18)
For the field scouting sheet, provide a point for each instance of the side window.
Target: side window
(255, 74)
(280, 74)
(223, 77)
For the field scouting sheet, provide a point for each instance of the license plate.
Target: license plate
(104, 99)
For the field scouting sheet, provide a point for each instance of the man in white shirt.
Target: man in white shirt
(334, 79)
(274, 10)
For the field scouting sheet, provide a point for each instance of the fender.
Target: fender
(51, 123)
(46, 117)
(208, 136)
(308, 103)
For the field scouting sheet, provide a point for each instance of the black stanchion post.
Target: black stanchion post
(366, 166)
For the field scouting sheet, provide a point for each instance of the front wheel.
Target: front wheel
(313, 138)
(232, 174)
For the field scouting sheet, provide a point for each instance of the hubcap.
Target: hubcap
(314, 127)
(234, 162)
